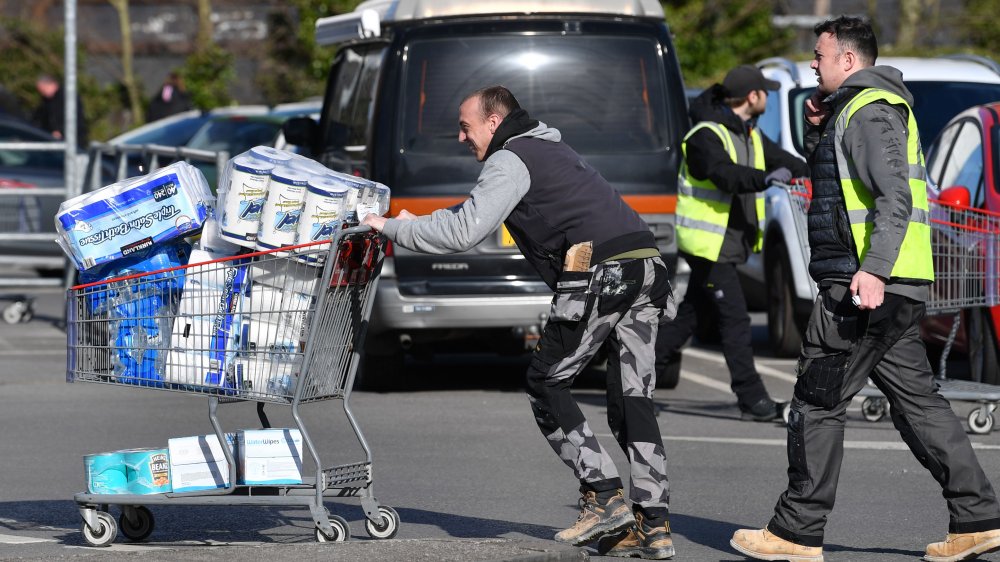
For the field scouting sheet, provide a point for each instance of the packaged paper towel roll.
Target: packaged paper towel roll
(279, 219)
(270, 154)
(244, 200)
(322, 214)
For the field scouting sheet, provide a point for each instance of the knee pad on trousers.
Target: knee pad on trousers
(822, 381)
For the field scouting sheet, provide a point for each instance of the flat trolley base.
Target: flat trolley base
(980, 419)
(136, 521)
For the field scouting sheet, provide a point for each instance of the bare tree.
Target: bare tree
(204, 38)
(128, 72)
(821, 8)
(910, 12)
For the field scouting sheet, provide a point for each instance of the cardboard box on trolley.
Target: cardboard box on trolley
(270, 456)
(199, 463)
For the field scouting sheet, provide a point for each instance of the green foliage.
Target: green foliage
(712, 36)
(980, 24)
(295, 67)
(207, 74)
(28, 50)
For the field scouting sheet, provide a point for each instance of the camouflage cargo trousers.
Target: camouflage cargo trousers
(618, 304)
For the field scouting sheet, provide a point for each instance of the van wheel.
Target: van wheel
(782, 330)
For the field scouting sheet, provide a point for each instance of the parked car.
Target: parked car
(965, 162)
(778, 278)
(603, 72)
(29, 213)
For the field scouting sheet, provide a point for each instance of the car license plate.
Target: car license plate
(506, 240)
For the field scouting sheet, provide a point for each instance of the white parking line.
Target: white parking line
(718, 358)
(17, 539)
(866, 445)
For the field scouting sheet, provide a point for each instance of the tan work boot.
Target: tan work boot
(764, 545)
(641, 540)
(959, 546)
(597, 519)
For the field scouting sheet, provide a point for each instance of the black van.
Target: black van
(603, 72)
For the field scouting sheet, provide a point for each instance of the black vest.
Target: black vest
(830, 242)
(568, 202)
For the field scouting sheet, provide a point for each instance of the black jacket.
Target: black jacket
(51, 116)
(707, 158)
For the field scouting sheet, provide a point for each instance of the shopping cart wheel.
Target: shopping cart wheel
(387, 528)
(16, 312)
(873, 409)
(978, 423)
(105, 533)
(141, 528)
(341, 530)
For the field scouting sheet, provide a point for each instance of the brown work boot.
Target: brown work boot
(959, 546)
(597, 519)
(642, 540)
(764, 545)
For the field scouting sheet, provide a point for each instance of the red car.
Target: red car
(964, 162)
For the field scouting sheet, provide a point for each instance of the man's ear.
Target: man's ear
(849, 60)
(494, 121)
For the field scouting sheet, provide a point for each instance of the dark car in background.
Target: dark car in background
(603, 72)
(30, 213)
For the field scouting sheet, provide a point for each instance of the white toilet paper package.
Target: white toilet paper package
(133, 215)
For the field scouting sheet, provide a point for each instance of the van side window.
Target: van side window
(350, 102)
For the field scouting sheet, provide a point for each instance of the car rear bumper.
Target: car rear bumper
(393, 311)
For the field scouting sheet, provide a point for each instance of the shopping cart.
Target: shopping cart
(965, 244)
(282, 327)
(20, 213)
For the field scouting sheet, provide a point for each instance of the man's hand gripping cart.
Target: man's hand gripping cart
(284, 327)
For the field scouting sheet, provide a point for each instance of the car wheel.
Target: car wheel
(782, 330)
(382, 365)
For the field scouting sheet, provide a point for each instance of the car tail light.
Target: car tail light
(6, 182)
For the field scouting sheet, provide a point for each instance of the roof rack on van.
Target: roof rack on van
(786, 64)
(365, 21)
(984, 61)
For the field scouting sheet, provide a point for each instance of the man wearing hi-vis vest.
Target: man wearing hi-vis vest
(720, 207)
(870, 239)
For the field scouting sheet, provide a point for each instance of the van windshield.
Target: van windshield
(605, 94)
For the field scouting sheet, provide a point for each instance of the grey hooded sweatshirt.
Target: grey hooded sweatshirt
(875, 140)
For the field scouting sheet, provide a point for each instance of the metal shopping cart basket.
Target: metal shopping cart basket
(281, 327)
(965, 244)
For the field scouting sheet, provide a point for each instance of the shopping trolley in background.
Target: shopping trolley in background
(20, 214)
(964, 243)
(282, 327)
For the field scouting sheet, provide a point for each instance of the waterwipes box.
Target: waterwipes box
(147, 471)
(198, 462)
(270, 456)
(124, 218)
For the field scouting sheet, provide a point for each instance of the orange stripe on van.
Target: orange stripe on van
(647, 204)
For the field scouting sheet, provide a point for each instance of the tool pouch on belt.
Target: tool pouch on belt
(572, 295)
(828, 349)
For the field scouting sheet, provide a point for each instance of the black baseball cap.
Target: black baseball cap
(746, 78)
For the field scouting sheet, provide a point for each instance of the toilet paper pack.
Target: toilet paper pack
(133, 215)
(204, 338)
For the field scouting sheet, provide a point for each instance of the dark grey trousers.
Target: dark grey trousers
(842, 347)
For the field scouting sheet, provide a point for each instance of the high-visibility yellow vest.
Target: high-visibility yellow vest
(703, 209)
(915, 260)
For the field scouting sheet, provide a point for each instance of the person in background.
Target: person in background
(50, 114)
(870, 243)
(600, 258)
(170, 99)
(720, 207)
